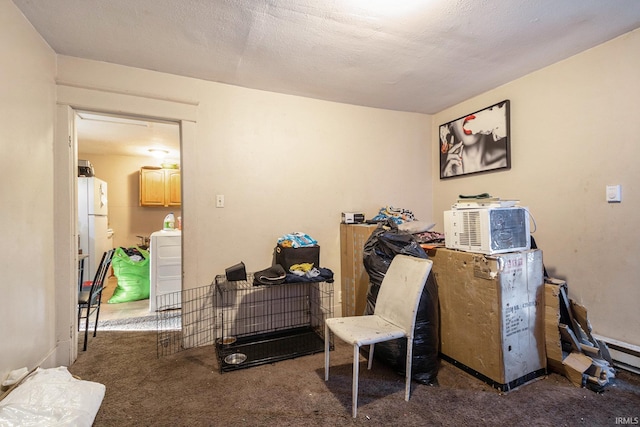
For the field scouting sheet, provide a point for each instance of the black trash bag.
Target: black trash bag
(382, 246)
(385, 242)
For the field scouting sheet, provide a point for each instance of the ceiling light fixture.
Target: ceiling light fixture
(158, 152)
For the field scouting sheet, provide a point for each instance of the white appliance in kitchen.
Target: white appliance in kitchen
(95, 237)
(165, 264)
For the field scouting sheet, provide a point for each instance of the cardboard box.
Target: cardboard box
(354, 277)
(492, 314)
(571, 349)
(553, 342)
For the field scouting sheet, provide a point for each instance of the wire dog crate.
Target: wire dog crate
(264, 324)
(186, 320)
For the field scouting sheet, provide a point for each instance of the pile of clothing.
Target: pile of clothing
(307, 272)
(397, 215)
(297, 259)
(296, 240)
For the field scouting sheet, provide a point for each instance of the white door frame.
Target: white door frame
(70, 99)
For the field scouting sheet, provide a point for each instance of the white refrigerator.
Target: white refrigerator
(95, 237)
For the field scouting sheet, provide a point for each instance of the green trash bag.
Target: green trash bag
(132, 275)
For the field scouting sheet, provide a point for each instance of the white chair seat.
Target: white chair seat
(364, 330)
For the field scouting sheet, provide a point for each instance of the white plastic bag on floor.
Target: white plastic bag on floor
(52, 397)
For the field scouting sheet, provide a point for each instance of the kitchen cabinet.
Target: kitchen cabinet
(159, 187)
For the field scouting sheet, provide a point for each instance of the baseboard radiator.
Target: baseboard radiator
(625, 356)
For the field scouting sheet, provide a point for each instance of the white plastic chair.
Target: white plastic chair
(394, 317)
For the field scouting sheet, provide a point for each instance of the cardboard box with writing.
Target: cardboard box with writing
(492, 314)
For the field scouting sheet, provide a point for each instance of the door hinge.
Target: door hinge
(69, 141)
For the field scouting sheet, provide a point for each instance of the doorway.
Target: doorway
(114, 148)
(70, 99)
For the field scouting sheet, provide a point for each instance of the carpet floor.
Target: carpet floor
(187, 389)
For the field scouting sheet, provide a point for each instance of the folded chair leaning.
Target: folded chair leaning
(89, 301)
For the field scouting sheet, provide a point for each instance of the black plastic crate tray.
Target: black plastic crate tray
(268, 348)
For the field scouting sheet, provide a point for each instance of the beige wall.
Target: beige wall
(283, 163)
(574, 130)
(126, 217)
(286, 164)
(27, 107)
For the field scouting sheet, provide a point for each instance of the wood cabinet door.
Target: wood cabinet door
(152, 187)
(172, 190)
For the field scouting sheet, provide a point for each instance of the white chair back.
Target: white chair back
(401, 290)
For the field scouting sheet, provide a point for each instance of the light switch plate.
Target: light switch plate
(614, 194)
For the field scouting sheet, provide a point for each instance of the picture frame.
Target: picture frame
(477, 142)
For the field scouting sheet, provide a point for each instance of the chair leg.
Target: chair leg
(407, 387)
(95, 326)
(326, 352)
(370, 362)
(354, 387)
(86, 329)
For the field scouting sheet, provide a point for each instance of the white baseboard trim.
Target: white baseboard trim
(49, 360)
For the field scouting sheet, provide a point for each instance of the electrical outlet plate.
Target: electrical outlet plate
(219, 201)
(614, 194)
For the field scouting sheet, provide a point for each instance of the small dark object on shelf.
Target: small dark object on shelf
(236, 272)
(273, 275)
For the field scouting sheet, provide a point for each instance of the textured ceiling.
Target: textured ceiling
(419, 56)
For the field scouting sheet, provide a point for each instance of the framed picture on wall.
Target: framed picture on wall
(476, 142)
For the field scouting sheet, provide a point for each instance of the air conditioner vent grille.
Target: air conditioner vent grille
(471, 236)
